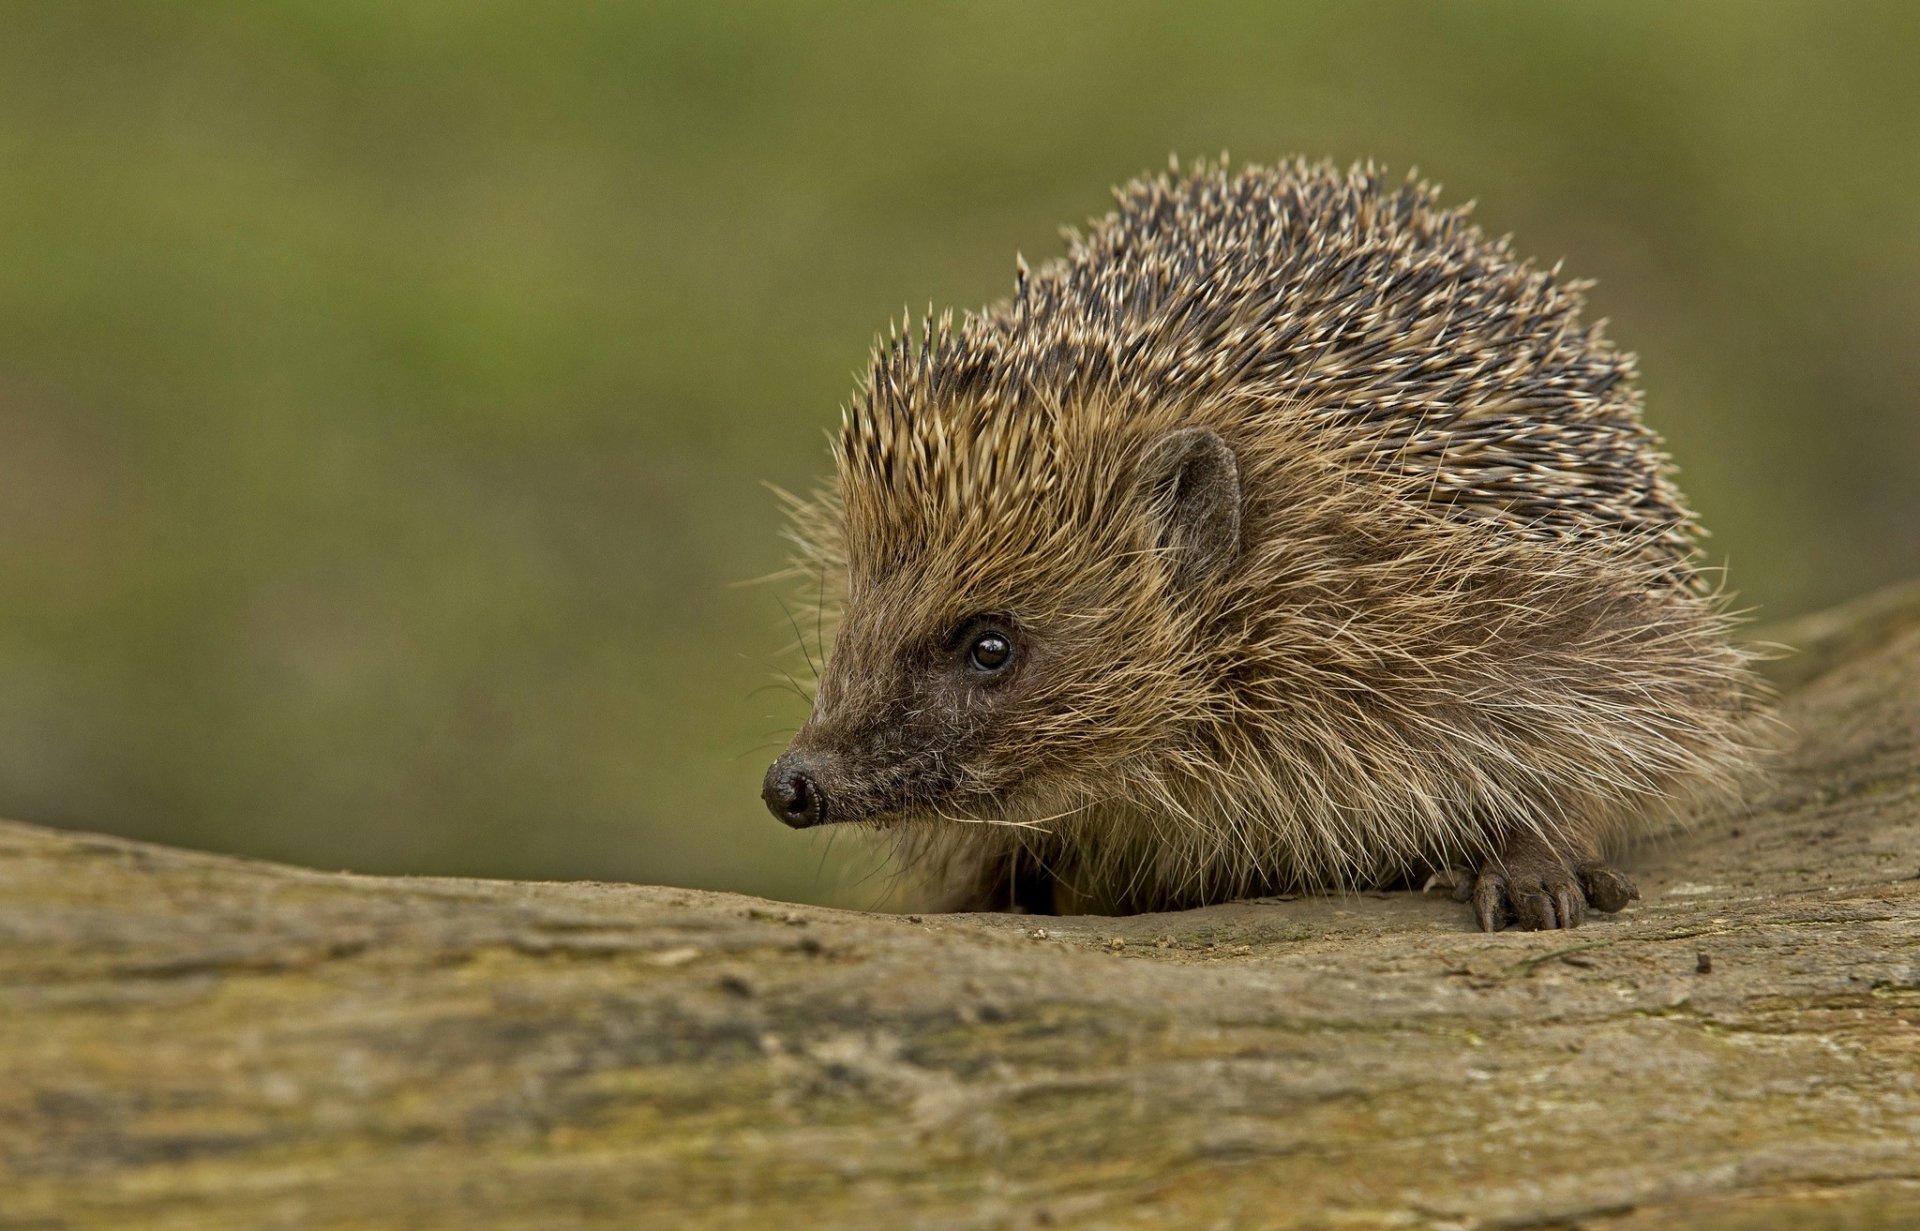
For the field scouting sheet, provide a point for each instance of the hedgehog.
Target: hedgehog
(1287, 534)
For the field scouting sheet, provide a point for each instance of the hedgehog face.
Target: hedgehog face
(910, 724)
(995, 656)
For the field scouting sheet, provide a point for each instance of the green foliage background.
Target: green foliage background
(386, 388)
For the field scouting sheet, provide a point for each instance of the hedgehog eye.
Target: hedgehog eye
(990, 653)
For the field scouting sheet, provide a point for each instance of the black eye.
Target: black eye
(990, 653)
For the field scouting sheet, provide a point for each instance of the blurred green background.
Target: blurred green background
(386, 388)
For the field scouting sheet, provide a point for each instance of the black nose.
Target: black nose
(793, 795)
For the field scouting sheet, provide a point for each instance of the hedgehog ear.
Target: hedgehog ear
(1192, 484)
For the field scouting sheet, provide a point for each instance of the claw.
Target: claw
(1570, 905)
(1458, 882)
(1490, 901)
(1535, 911)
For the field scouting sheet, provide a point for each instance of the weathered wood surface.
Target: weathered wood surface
(189, 1041)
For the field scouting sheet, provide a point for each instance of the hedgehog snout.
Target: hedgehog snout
(793, 793)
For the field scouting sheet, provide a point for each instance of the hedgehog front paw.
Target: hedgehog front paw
(1540, 894)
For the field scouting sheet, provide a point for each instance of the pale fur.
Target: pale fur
(1467, 601)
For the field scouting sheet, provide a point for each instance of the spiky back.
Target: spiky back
(1422, 352)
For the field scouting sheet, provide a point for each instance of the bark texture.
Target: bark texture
(197, 1042)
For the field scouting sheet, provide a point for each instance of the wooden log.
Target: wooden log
(199, 1042)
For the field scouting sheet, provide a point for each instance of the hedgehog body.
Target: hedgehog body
(1287, 533)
